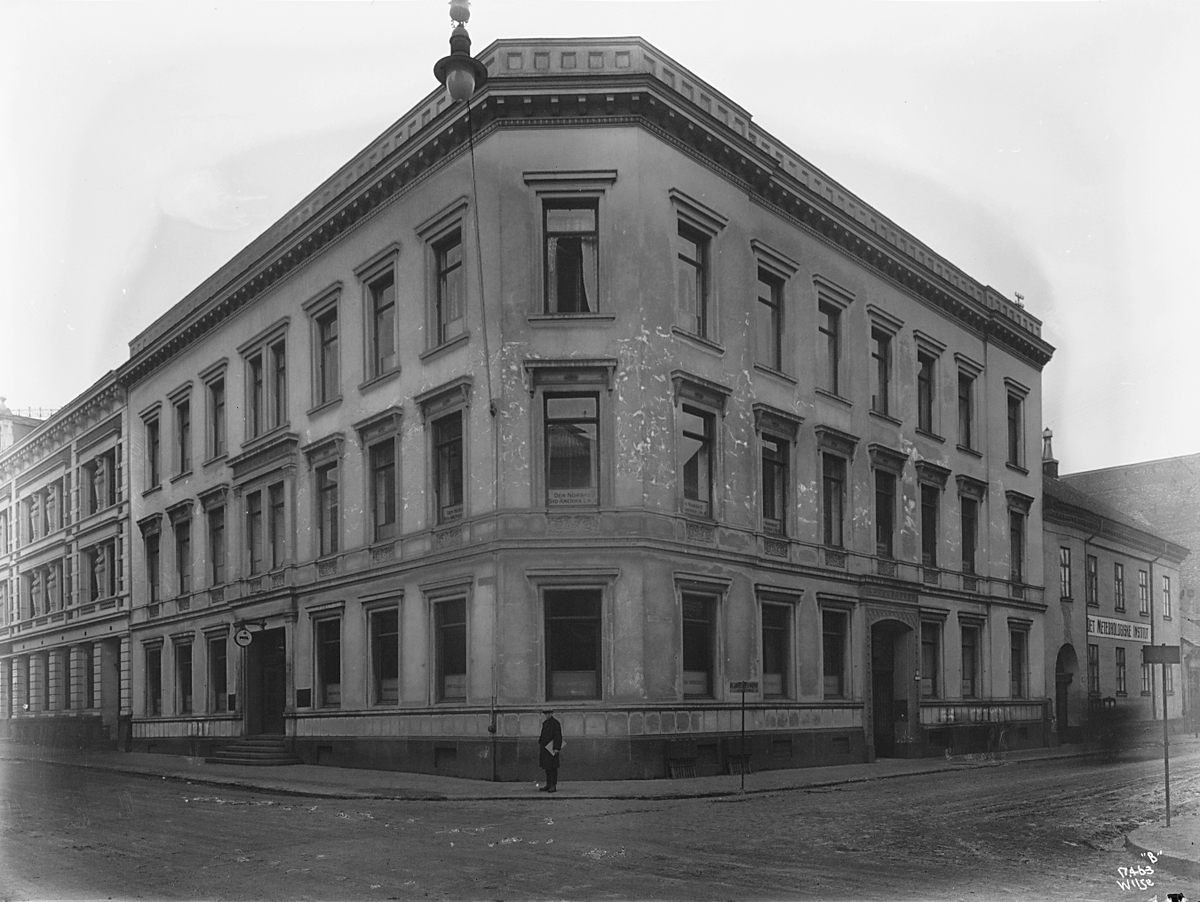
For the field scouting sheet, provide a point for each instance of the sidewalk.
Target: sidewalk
(1177, 849)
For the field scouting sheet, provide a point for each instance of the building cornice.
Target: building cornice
(102, 401)
(1058, 512)
(646, 90)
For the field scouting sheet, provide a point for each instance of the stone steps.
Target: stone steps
(256, 751)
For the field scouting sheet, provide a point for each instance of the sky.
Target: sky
(1046, 149)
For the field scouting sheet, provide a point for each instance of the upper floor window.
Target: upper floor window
(153, 567)
(572, 250)
(153, 454)
(1119, 586)
(382, 464)
(968, 371)
(327, 376)
(266, 383)
(774, 459)
(931, 502)
(1092, 577)
(99, 482)
(1064, 572)
(183, 556)
(769, 320)
(266, 528)
(216, 546)
(969, 518)
(216, 417)
(1016, 535)
(450, 315)
(1143, 592)
(881, 369)
(183, 435)
(833, 499)
(829, 348)
(696, 451)
(572, 448)
(1166, 597)
(328, 521)
(692, 279)
(381, 324)
(885, 513)
(1015, 421)
(448, 467)
(103, 569)
(926, 384)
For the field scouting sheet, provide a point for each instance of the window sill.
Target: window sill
(1016, 468)
(1066, 598)
(706, 343)
(178, 476)
(932, 436)
(826, 393)
(886, 417)
(215, 460)
(324, 406)
(966, 449)
(778, 374)
(571, 319)
(152, 490)
(378, 380)
(445, 347)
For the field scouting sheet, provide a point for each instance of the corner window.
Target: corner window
(835, 635)
(384, 629)
(571, 256)
(833, 499)
(696, 451)
(573, 655)
(692, 280)
(450, 296)
(328, 637)
(450, 626)
(572, 450)
(931, 660)
(699, 645)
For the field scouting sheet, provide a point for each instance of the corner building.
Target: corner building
(643, 407)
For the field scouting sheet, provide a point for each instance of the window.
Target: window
(450, 624)
(697, 454)
(87, 662)
(329, 662)
(769, 344)
(266, 528)
(1166, 597)
(1147, 677)
(970, 662)
(699, 646)
(103, 570)
(1119, 586)
(881, 368)
(216, 546)
(1143, 592)
(1019, 663)
(153, 568)
(98, 482)
(572, 430)
(1168, 679)
(834, 639)
(572, 643)
(926, 381)
(450, 302)
(266, 387)
(774, 459)
(1120, 663)
(966, 410)
(384, 627)
(931, 660)
(828, 347)
(277, 526)
(1092, 584)
(885, 513)
(183, 436)
(218, 676)
(931, 499)
(154, 681)
(571, 256)
(1093, 669)
(382, 463)
(1015, 425)
(328, 522)
(216, 417)
(254, 532)
(833, 497)
(1064, 572)
(153, 452)
(448, 467)
(1016, 535)
(381, 320)
(183, 677)
(692, 280)
(326, 356)
(183, 557)
(776, 650)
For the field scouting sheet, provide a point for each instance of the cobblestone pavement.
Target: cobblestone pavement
(1036, 829)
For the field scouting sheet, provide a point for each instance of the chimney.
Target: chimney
(1049, 464)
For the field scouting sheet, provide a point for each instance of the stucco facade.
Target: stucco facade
(64, 586)
(643, 408)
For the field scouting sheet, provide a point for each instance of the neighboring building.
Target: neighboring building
(1118, 590)
(14, 427)
(64, 544)
(656, 410)
(1164, 495)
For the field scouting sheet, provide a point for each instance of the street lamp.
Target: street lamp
(460, 72)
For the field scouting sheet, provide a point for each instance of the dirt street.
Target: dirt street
(1045, 830)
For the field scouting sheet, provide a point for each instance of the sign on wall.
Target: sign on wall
(1107, 628)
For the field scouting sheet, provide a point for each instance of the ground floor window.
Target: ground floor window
(776, 650)
(1147, 676)
(451, 626)
(218, 675)
(834, 639)
(87, 662)
(698, 645)
(970, 662)
(1019, 658)
(572, 643)
(1093, 670)
(153, 682)
(385, 656)
(183, 677)
(931, 659)
(329, 662)
(1120, 662)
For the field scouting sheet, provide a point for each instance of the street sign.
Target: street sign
(743, 685)
(243, 637)
(1160, 654)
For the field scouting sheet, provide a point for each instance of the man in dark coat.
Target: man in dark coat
(550, 743)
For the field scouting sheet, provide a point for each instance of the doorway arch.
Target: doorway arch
(894, 705)
(1067, 713)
